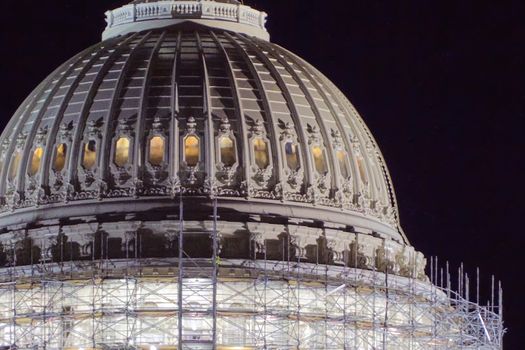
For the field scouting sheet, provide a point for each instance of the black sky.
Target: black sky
(441, 84)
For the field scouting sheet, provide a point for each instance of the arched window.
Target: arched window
(89, 158)
(156, 150)
(60, 157)
(319, 160)
(261, 153)
(15, 164)
(192, 150)
(292, 155)
(227, 151)
(122, 152)
(342, 158)
(36, 159)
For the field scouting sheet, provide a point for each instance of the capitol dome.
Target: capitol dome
(143, 117)
(187, 184)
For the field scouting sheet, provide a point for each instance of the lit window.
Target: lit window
(319, 160)
(192, 150)
(343, 163)
(60, 157)
(15, 164)
(156, 150)
(89, 158)
(260, 149)
(227, 147)
(292, 155)
(362, 170)
(35, 161)
(122, 152)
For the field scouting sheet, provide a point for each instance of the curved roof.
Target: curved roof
(186, 110)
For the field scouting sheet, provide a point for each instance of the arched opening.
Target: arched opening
(261, 152)
(227, 151)
(319, 160)
(156, 150)
(362, 169)
(15, 164)
(122, 152)
(36, 159)
(60, 157)
(192, 150)
(89, 157)
(342, 158)
(292, 155)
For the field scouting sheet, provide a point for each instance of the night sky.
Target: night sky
(441, 84)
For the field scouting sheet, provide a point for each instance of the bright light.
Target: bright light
(152, 347)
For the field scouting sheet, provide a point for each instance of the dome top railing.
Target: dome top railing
(143, 16)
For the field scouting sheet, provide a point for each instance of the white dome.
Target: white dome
(186, 184)
(144, 117)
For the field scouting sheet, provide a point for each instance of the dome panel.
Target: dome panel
(194, 111)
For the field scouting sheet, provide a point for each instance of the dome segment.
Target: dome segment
(228, 15)
(196, 111)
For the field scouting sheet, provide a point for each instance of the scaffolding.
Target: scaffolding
(198, 300)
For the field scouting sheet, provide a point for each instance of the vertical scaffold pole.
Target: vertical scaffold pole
(181, 267)
(215, 257)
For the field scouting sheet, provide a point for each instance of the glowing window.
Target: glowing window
(227, 148)
(60, 157)
(122, 152)
(362, 170)
(36, 160)
(319, 160)
(292, 155)
(156, 150)
(343, 163)
(89, 158)
(15, 164)
(260, 149)
(192, 150)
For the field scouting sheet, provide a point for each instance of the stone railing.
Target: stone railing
(186, 9)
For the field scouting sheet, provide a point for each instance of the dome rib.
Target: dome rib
(84, 113)
(36, 124)
(140, 125)
(174, 118)
(113, 116)
(325, 135)
(294, 113)
(207, 111)
(43, 90)
(239, 110)
(357, 184)
(267, 109)
(7, 138)
(349, 110)
(336, 119)
(97, 52)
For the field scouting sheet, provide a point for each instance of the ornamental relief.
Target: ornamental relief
(155, 180)
(288, 242)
